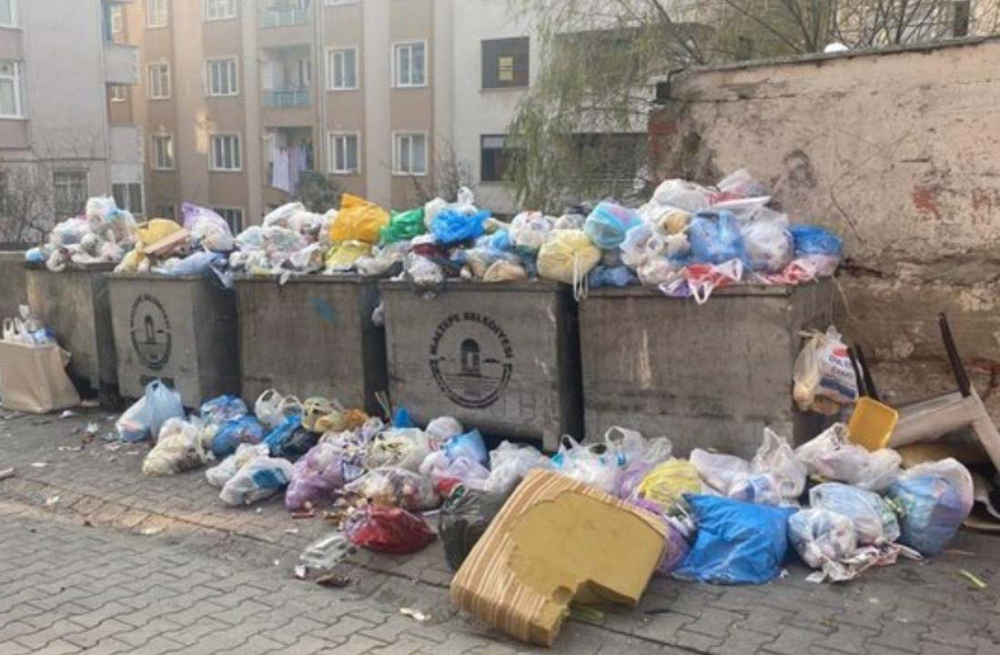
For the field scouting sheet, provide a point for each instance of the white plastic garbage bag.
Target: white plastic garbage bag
(509, 464)
(776, 458)
(873, 519)
(178, 449)
(821, 536)
(832, 456)
(823, 372)
(259, 479)
(223, 472)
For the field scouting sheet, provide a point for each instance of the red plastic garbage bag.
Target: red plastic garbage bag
(387, 530)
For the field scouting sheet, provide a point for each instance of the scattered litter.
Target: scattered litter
(963, 553)
(39, 465)
(51, 501)
(300, 572)
(973, 578)
(327, 552)
(7, 473)
(259, 510)
(150, 531)
(72, 449)
(333, 581)
(292, 531)
(304, 514)
(277, 562)
(67, 414)
(416, 615)
(587, 614)
(90, 403)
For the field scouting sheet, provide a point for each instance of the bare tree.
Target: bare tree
(448, 174)
(27, 202)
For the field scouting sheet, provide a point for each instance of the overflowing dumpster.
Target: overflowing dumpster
(502, 357)
(313, 334)
(182, 330)
(707, 376)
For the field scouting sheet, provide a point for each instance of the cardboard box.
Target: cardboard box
(555, 541)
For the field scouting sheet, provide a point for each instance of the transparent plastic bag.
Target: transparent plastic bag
(178, 449)
(223, 409)
(400, 447)
(833, 456)
(768, 245)
(396, 487)
(530, 230)
(444, 428)
(469, 445)
(776, 458)
(509, 464)
(608, 224)
(683, 195)
(145, 418)
(934, 499)
(281, 216)
(593, 464)
(231, 434)
(272, 409)
(874, 521)
(259, 479)
(387, 530)
(220, 474)
(715, 237)
(719, 471)
(316, 477)
(820, 536)
(823, 369)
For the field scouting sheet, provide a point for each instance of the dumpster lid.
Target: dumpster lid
(454, 284)
(740, 290)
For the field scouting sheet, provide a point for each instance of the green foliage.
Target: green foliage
(318, 192)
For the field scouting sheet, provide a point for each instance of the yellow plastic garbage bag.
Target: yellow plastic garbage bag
(504, 271)
(668, 482)
(674, 221)
(342, 257)
(155, 230)
(358, 220)
(567, 253)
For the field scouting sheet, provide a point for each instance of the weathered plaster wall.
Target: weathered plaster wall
(898, 152)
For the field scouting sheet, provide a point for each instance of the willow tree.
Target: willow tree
(578, 133)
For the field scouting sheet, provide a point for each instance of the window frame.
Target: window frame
(117, 15)
(154, 164)
(212, 164)
(149, 15)
(339, 3)
(331, 68)
(396, 153)
(149, 80)
(13, 25)
(115, 97)
(128, 196)
(482, 156)
(397, 46)
(234, 82)
(211, 19)
(17, 80)
(332, 152)
(60, 211)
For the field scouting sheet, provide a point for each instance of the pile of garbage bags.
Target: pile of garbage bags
(102, 235)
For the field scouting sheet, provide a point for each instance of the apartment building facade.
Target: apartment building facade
(61, 138)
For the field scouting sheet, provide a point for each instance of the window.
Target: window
(505, 63)
(159, 81)
(220, 9)
(117, 19)
(156, 13)
(71, 192)
(222, 77)
(409, 64)
(128, 196)
(344, 150)
(334, 3)
(233, 216)
(342, 69)
(409, 154)
(10, 89)
(163, 152)
(226, 154)
(118, 93)
(494, 157)
(8, 13)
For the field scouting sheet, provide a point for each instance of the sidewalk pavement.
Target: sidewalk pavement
(914, 607)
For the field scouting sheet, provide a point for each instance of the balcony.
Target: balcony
(285, 98)
(283, 13)
(121, 64)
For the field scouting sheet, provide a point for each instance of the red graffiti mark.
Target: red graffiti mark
(925, 200)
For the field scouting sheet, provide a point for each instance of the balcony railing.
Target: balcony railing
(292, 98)
(284, 17)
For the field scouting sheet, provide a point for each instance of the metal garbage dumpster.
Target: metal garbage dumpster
(14, 289)
(312, 336)
(75, 305)
(708, 376)
(182, 330)
(502, 358)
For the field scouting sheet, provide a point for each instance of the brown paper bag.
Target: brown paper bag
(33, 378)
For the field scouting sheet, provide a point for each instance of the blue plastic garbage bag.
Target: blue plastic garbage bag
(615, 276)
(231, 434)
(813, 240)
(290, 440)
(145, 418)
(223, 409)
(402, 418)
(932, 511)
(469, 445)
(499, 241)
(715, 237)
(197, 264)
(608, 223)
(451, 226)
(737, 542)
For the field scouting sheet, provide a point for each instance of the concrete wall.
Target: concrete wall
(13, 290)
(897, 152)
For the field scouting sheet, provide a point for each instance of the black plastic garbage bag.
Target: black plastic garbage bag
(464, 518)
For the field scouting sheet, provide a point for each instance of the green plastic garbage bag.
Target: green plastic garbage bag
(403, 226)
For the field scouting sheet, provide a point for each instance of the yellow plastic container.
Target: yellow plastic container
(872, 424)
